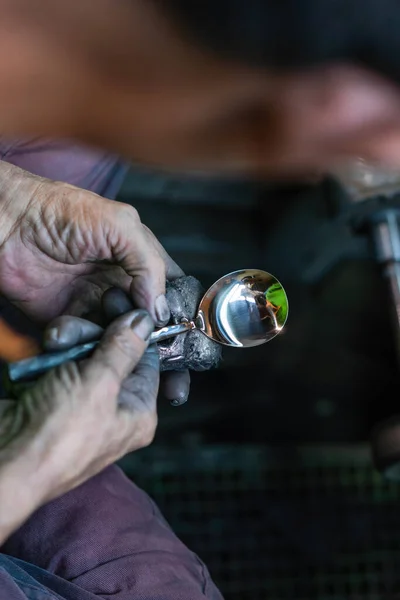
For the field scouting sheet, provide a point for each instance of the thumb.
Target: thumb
(119, 352)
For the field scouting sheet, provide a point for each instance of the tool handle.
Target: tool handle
(31, 368)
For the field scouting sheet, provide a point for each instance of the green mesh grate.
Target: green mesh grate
(307, 524)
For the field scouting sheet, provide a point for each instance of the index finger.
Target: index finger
(134, 251)
(172, 269)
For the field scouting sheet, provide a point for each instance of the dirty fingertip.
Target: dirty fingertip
(179, 401)
(163, 313)
(58, 337)
(142, 324)
(51, 334)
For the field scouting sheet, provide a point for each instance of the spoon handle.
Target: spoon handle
(170, 331)
(31, 368)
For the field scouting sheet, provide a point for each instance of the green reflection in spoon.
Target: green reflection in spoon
(277, 296)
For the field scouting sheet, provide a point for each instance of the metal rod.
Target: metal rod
(392, 272)
(386, 236)
(31, 368)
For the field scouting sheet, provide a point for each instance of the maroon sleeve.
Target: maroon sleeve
(94, 170)
(109, 538)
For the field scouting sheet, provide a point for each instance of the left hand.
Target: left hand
(78, 419)
(68, 331)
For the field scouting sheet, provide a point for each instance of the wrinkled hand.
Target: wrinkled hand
(78, 419)
(62, 247)
(68, 331)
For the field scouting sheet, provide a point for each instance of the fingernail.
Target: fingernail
(55, 335)
(52, 334)
(142, 324)
(163, 313)
(179, 401)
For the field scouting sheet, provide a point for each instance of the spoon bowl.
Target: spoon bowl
(243, 309)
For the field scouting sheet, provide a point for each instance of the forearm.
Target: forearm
(25, 467)
(11, 515)
(18, 499)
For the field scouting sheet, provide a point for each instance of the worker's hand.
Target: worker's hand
(77, 420)
(68, 331)
(62, 247)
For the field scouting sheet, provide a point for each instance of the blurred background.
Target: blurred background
(266, 473)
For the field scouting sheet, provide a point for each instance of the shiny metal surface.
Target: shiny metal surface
(392, 272)
(170, 331)
(364, 181)
(243, 309)
(386, 237)
(31, 368)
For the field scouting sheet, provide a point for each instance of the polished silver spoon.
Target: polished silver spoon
(242, 309)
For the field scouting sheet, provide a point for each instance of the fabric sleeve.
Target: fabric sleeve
(109, 538)
(94, 170)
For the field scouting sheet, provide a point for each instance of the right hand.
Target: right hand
(78, 419)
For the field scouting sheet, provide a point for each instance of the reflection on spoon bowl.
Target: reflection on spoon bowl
(243, 309)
